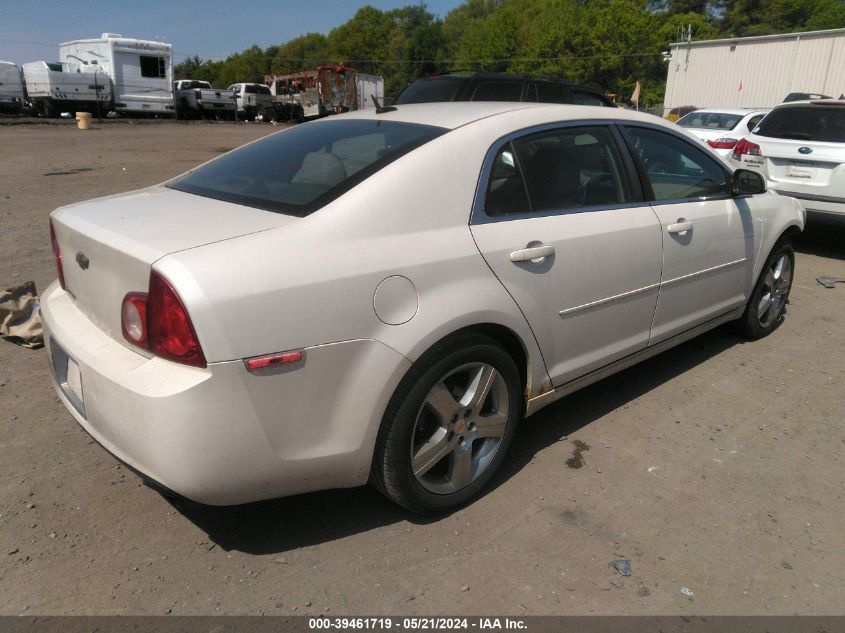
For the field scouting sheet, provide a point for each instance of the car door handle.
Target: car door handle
(535, 252)
(680, 227)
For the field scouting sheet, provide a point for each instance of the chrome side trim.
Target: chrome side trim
(705, 271)
(810, 196)
(535, 404)
(592, 304)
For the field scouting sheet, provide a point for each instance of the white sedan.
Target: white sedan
(722, 128)
(382, 296)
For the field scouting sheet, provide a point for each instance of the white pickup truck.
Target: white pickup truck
(255, 101)
(194, 98)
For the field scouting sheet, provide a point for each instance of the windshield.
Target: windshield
(805, 123)
(710, 120)
(299, 170)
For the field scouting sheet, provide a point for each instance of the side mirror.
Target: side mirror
(747, 182)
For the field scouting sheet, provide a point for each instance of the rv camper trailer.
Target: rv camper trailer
(140, 70)
(53, 88)
(11, 88)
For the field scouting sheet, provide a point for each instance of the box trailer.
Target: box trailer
(323, 90)
(754, 72)
(367, 87)
(54, 87)
(140, 70)
(11, 88)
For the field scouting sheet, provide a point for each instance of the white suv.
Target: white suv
(800, 149)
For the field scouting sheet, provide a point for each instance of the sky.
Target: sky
(212, 29)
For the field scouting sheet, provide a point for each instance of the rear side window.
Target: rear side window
(711, 120)
(584, 97)
(676, 169)
(805, 123)
(304, 168)
(498, 91)
(753, 121)
(431, 90)
(564, 169)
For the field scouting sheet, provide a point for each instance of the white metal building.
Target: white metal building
(755, 72)
(140, 69)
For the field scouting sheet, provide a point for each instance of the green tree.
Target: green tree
(186, 68)
(303, 52)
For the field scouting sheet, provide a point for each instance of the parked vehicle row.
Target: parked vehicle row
(798, 146)
(382, 296)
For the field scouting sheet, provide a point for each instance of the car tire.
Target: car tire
(766, 308)
(448, 425)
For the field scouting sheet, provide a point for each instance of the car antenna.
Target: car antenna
(380, 109)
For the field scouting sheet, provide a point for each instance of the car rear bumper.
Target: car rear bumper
(222, 435)
(813, 203)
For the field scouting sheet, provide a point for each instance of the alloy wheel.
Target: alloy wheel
(459, 428)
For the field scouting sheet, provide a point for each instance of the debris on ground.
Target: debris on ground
(618, 583)
(830, 282)
(20, 316)
(687, 592)
(785, 564)
(643, 591)
(622, 566)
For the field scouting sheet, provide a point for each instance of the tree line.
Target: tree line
(606, 44)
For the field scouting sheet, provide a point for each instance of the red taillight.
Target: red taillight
(743, 147)
(158, 321)
(725, 142)
(170, 331)
(133, 318)
(58, 253)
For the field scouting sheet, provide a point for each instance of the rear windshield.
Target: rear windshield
(431, 90)
(805, 123)
(297, 171)
(710, 120)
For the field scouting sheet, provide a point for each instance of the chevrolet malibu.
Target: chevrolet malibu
(382, 296)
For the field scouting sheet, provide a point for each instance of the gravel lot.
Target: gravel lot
(717, 466)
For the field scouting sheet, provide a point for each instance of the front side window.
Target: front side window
(549, 92)
(675, 168)
(297, 171)
(152, 66)
(565, 169)
(498, 91)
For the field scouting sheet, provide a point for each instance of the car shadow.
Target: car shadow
(824, 238)
(281, 525)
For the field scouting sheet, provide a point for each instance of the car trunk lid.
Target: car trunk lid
(809, 167)
(108, 245)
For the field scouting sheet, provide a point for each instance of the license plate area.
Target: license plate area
(801, 169)
(68, 377)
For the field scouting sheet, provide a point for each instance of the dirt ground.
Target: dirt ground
(716, 467)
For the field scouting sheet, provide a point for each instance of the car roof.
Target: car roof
(455, 114)
(742, 111)
(836, 103)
